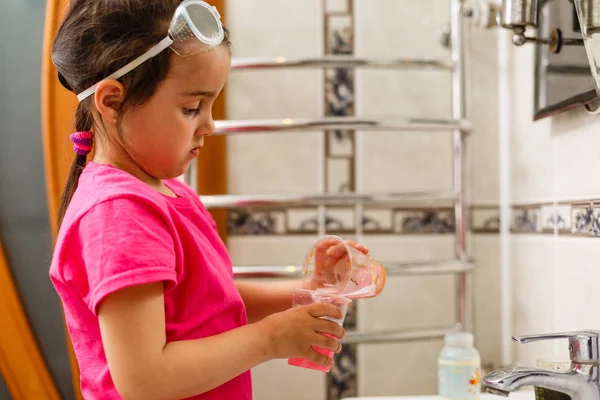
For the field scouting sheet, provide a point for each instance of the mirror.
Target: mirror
(564, 80)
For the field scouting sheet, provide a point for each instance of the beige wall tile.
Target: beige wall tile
(406, 161)
(278, 380)
(398, 369)
(531, 143)
(403, 161)
(575, 137)
(578, 298)
(482, 111)
(263, 163)
(396, 29)
(274, 163)
(533, 294)
(486, 305)
(275, 28)
(268, 250)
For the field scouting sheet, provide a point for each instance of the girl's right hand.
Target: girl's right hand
(293, 332)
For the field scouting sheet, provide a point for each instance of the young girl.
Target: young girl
(146, 284)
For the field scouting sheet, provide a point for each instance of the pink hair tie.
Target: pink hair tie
(82, 142)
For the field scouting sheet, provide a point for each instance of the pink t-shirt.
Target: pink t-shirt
(118, 232)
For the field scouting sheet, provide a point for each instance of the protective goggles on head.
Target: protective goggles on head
(196, 27)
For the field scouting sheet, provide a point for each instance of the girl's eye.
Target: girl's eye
(191, 112)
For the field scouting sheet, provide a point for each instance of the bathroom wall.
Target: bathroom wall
(389, 161)
(554, 191)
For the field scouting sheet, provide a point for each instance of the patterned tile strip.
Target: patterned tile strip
(340, 153)
(585, 218)
(341, 221)
(576, 218)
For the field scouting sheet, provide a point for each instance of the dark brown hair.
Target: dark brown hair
(95, 39)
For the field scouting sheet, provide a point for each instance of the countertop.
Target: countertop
(525, 395)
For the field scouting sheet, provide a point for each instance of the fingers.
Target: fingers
(325, 244)
(323, 247)
(333, 248)
(319, 310)
(327, 343)
(330, 328)
(319, 358)
(337, 251)
(321, 252)
(357, 246)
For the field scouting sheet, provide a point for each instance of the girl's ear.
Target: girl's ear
(108, 97)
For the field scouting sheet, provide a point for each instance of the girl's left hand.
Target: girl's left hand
(332, 261)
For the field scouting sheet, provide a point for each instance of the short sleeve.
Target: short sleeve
(125, 242)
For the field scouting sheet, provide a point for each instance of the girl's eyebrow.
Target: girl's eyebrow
(198, 93)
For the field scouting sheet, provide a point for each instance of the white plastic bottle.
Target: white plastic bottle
(459, 368)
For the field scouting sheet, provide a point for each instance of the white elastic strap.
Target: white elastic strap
(153, 52)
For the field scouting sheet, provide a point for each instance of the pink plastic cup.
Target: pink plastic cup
(302, 297)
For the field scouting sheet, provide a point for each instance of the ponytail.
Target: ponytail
(83, 123)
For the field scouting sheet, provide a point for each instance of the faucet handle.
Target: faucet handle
(583, 345)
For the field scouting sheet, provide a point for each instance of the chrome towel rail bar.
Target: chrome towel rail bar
(227, 127)
(256, 63)
(408, 199)
(396, 335)
(420, 268)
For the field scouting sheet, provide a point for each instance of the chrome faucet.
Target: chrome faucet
(580, 382)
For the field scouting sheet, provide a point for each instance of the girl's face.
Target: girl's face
(165, 134)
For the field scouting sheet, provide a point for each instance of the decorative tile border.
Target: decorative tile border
(527, 219)
(438, 221)
(584, 218)
(564, 218)
(342, 221)
(484, 219)
(576, 218)
(241, 222)
(543, 218)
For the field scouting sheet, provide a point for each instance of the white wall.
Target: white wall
(553, 161)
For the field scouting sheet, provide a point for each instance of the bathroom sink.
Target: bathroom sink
(526, 395)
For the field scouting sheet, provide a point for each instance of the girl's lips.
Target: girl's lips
(195, 151)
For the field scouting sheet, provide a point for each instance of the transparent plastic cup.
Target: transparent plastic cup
(302, 297)
(331, 266)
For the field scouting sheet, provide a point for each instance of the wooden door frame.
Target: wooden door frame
(212, 163)
(21, 362)
(58, 110)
